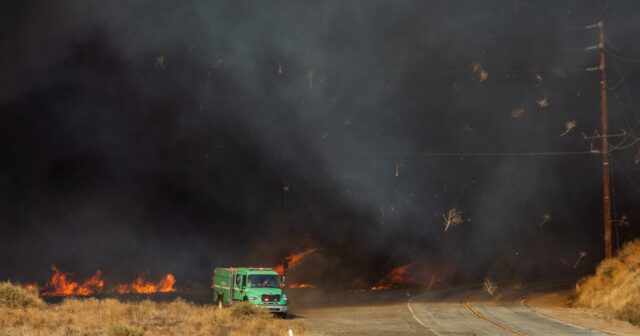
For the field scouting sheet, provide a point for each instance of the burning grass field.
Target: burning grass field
(22, 312)
(615, 288)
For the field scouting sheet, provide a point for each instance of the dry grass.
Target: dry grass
(12, 296)
(615, 287)
(114, 318)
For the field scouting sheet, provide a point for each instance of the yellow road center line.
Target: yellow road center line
(497, 324)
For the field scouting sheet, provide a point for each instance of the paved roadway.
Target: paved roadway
(458, 311)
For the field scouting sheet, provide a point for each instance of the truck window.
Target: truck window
(264, 281)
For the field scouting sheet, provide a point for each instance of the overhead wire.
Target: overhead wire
(621, 147)
(613, 87)
(631, 133)
(539, 52)
(624, 58)
(529, 33)
(490, 154)
(606, 39)
(626, 174)
(553, 70)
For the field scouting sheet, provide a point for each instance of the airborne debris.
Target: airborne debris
(214, 66)
(543, 101)
(559, 73)
(623, 221)
(545, 218)
(489, 286)
(479, 72)
(568, 126)
(453, 217)
(280, 68)
(539, 78)
(581, 255)
(397, 169)
(311, 77)
(160, 63)
(517, 112)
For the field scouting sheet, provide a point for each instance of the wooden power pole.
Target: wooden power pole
(606, 183)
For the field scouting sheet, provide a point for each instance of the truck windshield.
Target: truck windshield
(264, 280)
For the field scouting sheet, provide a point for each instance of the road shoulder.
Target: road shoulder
(555, 305)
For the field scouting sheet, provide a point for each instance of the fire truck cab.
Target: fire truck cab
(258, 286)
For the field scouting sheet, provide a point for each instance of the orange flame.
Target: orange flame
(32, 287)
(61, 285)
(293, 260)
(393, 278)
(429, 276)
(301, 285)
(142, 286)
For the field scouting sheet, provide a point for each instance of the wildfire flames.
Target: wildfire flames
(61, 284)
(142, 286)
(394, 278)
(293, 260)
(301, 285)
(412, 275)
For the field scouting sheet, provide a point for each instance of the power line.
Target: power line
(613, 87)
(626, 174)
(539, 52)
(553, 70)
(606, 38)
(620, 147)
(622, 81)
(491, 154)
(528, 33)
(624, 58)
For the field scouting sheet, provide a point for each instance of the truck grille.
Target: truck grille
(270, 298)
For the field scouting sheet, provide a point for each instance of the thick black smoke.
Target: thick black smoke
(156, 136)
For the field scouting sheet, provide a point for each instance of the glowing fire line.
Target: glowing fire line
(61, 284)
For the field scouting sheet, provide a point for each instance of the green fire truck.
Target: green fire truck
(259, 286)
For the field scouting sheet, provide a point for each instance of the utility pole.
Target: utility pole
(606, 183)
(285, 230)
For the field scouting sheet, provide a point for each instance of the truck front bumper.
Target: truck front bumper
(275, 308)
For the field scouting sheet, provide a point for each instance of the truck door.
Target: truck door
(239, 286)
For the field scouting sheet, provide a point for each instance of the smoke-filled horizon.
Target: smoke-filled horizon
(156, 136)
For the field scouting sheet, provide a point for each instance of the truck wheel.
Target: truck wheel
(220, 304)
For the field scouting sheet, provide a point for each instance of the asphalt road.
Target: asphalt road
(454, 311)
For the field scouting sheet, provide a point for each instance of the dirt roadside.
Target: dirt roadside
(556, 306)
